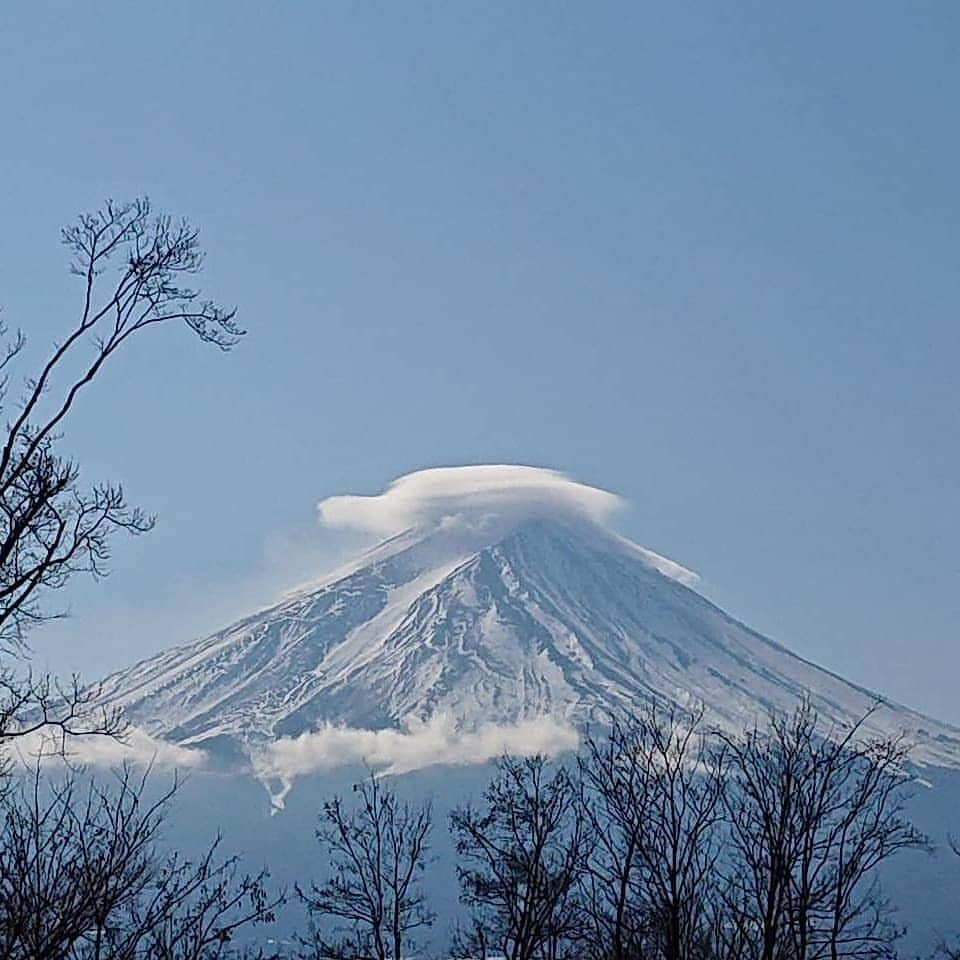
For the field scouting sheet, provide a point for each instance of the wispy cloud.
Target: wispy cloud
(422, 744)
(438, 741)
(136, 747)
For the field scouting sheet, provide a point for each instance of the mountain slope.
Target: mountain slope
(492, 624)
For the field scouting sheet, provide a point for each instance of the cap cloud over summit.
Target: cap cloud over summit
(469, 493)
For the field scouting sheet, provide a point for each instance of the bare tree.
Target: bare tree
(378, 852)
(134, 268)
(58, 709)
(521, 857)
(811, 815)
(82, 877)
(652, 793)
(616, 802)
(81, 871)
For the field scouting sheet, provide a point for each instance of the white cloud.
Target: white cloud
(483, 500)
(435, 495)
(136, 747)
(421, 744)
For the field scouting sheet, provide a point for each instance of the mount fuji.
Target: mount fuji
(500, 600)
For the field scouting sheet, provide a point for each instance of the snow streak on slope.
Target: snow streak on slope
(513, 610)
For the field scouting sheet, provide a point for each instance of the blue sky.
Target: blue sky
(705, 257)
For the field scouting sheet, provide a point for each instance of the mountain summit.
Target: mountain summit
(493, 615)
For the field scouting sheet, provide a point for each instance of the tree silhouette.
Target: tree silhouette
(378, 851)
(135, 268)
(521, 855)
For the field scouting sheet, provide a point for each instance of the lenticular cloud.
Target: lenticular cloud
(433, 496)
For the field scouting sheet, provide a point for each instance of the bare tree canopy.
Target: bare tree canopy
(522, 854)
(373, 902)
(82, 877)
(652, 792)
(135, 268)
(811, 814)
(673, 842)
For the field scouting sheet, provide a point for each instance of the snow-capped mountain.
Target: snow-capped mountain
(499, 613)
(499, 620)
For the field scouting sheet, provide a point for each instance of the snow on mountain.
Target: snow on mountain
(522, 609)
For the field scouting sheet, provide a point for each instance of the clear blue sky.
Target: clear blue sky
(705, 256)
